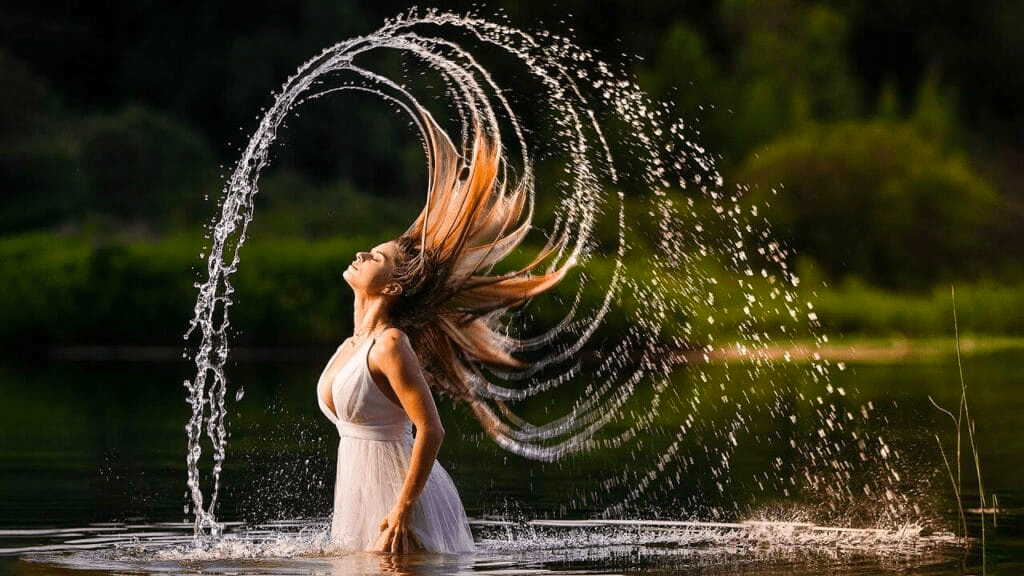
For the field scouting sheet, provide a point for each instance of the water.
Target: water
(292, 547)
(90, 478)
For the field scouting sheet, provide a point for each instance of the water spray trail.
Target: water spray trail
(685, 264)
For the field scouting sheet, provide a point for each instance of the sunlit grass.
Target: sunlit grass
(79, 289)
(877, 350)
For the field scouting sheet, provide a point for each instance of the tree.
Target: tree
(875, 199)
(37, 161)
(790, 67)
(143, 164)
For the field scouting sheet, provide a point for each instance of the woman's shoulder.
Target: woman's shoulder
(393, 357)
(390, 343)
(392, 336)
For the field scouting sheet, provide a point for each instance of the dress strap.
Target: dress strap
(370, 383)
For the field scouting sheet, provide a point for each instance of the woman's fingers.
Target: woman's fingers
(403, 539)
(397, 539)
(415, 541)
(395, 542)
(386, 540)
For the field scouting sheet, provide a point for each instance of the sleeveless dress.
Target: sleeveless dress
(374, 450)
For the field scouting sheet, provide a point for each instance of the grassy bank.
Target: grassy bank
(60, 291)
(75, 290)
(878, 350)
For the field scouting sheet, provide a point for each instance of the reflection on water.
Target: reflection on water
(90, 476)
(299, 547)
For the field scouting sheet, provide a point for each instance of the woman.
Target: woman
(421, 298)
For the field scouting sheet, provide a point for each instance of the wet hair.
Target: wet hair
(451, 308)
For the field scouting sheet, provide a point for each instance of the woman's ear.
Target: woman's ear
(392, 289)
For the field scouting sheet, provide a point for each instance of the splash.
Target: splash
(671, 267)
(303, 547)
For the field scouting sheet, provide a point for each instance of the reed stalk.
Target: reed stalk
(962, 418)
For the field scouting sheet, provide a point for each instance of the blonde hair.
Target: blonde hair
(451, 308)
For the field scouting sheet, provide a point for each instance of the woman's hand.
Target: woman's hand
(397, 535)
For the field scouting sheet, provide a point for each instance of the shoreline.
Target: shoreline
(863, 350)
(866, 350)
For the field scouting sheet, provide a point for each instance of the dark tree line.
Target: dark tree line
(124, 116)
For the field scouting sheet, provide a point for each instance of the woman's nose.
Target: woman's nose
(362, 256)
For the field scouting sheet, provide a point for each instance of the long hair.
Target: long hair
(450, 307)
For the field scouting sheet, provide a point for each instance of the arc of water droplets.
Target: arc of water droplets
(700, 221)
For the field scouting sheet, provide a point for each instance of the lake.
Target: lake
(92, 476)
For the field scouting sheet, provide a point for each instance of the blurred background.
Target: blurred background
(886, 137)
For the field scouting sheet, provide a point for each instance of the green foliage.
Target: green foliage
(890, 201)
(38, 164)
(934, 114)
(291, 206)
(64, 291)
(293, 292)
(74, 291)
(888, 108)
(788, 66)
(131, 165)
(877, 200)
(41, 182)
(28, 101)
(140, 163)
(70, 290)
(684, 70)
(855, 307)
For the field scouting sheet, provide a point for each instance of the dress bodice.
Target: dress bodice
(361, 410)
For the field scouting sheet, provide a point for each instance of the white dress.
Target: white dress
(374, 450)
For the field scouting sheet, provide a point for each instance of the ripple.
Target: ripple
(301, 546)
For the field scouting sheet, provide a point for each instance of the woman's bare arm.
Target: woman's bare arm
(392, 358)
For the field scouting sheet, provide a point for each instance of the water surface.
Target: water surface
(92, 477)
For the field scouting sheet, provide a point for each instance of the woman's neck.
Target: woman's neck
(370, 316)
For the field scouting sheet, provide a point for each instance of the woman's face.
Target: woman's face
(373, 272)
